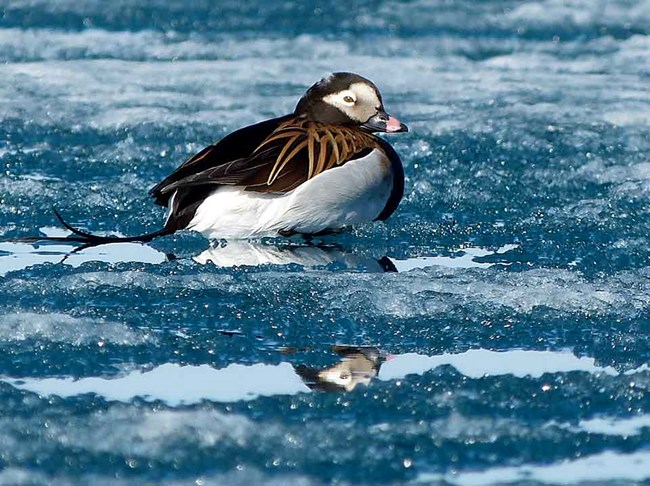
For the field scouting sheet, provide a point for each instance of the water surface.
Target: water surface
(494, 330)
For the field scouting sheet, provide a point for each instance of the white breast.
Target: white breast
(354, 193)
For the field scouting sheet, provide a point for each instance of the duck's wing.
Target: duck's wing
(293, 153)
(235, 146)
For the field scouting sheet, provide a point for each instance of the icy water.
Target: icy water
(495, 330)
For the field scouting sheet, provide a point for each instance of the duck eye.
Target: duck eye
(348, 99)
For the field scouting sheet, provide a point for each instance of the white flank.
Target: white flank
(354, 193)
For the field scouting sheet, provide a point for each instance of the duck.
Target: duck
(312, 172)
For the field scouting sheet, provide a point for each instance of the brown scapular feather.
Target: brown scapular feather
(296, 151)
(326, 147)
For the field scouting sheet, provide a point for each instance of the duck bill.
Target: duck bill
(383, 122)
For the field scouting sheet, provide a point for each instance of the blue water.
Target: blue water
(510, 345)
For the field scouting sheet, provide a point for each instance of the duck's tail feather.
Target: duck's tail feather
(90, 239)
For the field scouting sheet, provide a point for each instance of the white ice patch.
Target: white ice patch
(598, 171)
(18, 256)
(177, 385)
(88, 282)
(606, 466)
(438, 290)
(478, 363)
(579, 13)
(466, 258)
(148, 433)
(624, 427)
(18, 476)
(62, 328)
(50, 44)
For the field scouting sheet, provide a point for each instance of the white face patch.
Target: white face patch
(360, 101)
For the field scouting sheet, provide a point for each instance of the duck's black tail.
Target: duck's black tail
(89, 239)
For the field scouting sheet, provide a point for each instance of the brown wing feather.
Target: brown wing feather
(311, 147)
(299, 150)
(296, 151)
(281, 160)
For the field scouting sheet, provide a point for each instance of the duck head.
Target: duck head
(348, 99)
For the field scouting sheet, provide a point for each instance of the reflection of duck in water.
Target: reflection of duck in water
(358, 366)
(16, 256)
(232, 254)
(249, 253)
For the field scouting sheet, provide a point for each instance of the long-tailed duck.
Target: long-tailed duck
(314, 171)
